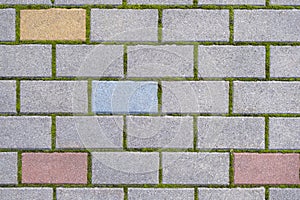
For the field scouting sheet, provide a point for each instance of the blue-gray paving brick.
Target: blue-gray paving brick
(89, 193)
(124, 97)
(161, 2)
(25, 2)
(54, 97)
(284, 61)
(8, 168)
(25, 60)
(89, 60)
(231, 2)
(232, 193)
(124, 25)
(7, 96)
(284, 193)
(125, 167)
(89, 2)
(259, 25)
(266, 97)
(284, 133)
(195, 25)
(160, 61)
(231, 61)
(195, 168)
(26, 193)
(25, 132)
(195, 96)
(89, 132)
(7, 24)
(285, 2)
(160, 193)
(231, 133)
(159, 132)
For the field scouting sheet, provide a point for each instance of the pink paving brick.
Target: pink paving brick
(266, 168)
(56, 168)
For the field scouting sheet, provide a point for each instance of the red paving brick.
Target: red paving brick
(56, 168)
(266, 168)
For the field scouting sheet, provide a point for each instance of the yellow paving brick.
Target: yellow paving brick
(53, 24)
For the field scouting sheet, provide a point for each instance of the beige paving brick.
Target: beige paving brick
(53, 24)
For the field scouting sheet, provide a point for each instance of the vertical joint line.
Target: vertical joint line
(53, 61)
(18, 29)
(160, 25)
(53, 132)
(90, 97)
(54, 193)
(18, 94)
(160, 172)
(230, 108)
(231, 169)
(267, 196)
(89, 175)
(267, 132)
(159, 97)
(267, 62)
(125, 56)
(267, 2)
(196, 62)
(196, 193)
(19, 167)
(125, 193)
(195, 130)
(88, 25)
(195, 3)
(124, 132)
(231, 25)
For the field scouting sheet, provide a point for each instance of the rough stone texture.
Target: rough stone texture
(27, 193)
(161, 2)
(54, 168)
(89, 61)
(233, 193)
(128, 25)
(25, 132)
(195, 97)
(231, 133)
(7, 24)
(8, 168)
(84, 2)
(125, 168)
(231, 61)
(89, 193)
(208, 25)
(266, 168)
(284, 193)
(53, 24)
(231, 2)
(284, 133)
(160, 61)
(7, 96)
(195, 168)
(89, 132)
(285, 2)
(160, 193)
(124, 97)
(266, 97)
(285, 61)
(259, 25)
(25, 2)
(54, 97)
(159, 132)
(31, 60)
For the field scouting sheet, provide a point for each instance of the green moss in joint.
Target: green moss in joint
(89, 173)
(160, 172)
(53, 132)
(88, 24)
(53, 61)
(267, 196)
(18, 98)
(124, 132)
(160, 25)
(54, 193)
(267, 62)
(195, 130)
(159, 97)
(231, 169)
(195, 62)
(89, 89)
(125, 193)
(231, 25)
(125, 57)
(230, 108)
(19, 167)
(266, 132)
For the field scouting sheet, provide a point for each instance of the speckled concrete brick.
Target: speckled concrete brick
(8, 168)
(28, 193)
(284, 193)
(231, 2)
(160, 2)
(88, 2)
(285, 2)
(233, 193)
(160, 193)
(25, 2)
(7, 24)
(8, 97)
(89, 193)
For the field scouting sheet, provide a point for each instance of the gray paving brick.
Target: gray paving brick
(195, 97)
(25, 2)
(160, 61)
(161, 2)
(25, 60)
(7, 96)
(54, 97)
(89, 193)
(26, 193)
(231, 133)
(195, 25)
(159, 132)
(125, 168)
(195, 168)
(259, 25)
(89, 132)
(7, 24)
(25, 132)
(284, 193)
(87, 2)
(160, 193)
(8, 168)
(231, 2)
(233, 193)
(128, 25)
(231, 61)
(284, 61)
(266, 97)
(285, 2)
(89, 61)
(284, 133)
